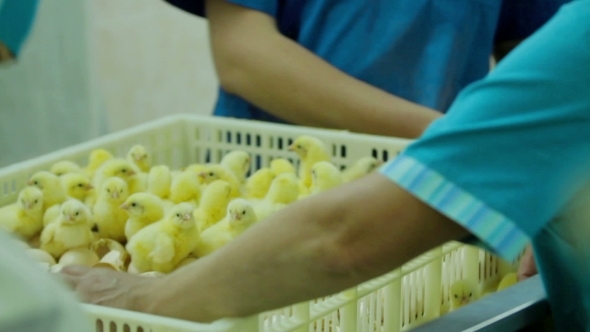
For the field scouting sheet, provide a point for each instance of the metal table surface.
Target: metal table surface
(510, 310)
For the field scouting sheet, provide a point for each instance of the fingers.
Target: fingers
(528, 267)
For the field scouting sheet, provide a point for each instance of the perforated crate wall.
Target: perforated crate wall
(397, 301)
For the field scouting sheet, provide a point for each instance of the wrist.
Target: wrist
(144, 296)
(171, 296)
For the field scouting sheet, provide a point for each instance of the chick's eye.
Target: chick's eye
(211, 173)
(108, 190)
(178, 215)
(243, 212)
(36, 200)
(80, 185)
(133, 204)
(456, 296)
(124, 170)
(77, 213)
(470, 294)
(36, 182)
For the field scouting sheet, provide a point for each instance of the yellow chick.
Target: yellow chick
(64, 167)
(162, 245)
(213, 204)
(24, 218)
(360, 168)
(185, 187)
(143, 209)
(113, 167)
(324, 176)
(51, 215)
(462, 293)
(76, 185)
(197, 168)
(49, 184)
(283, 190)
(240, 215)
(282, 165)
(215, 172)
(107, 212)
(160, 181)
(257, 184)
(70, 231)
(138, 182)
(310, 150)
(238, 162)
(169, 204)
(508, 280)
(95, 160)
(175, 173)
(139, 156)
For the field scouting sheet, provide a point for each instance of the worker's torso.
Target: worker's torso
(425, 51)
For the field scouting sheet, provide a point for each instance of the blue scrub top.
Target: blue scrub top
(511, 160)
(424, 51)
(16, 19)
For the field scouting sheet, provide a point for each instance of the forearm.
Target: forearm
(288, 81)
(269, 266)
(313, 248)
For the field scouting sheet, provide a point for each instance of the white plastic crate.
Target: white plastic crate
(397, 301)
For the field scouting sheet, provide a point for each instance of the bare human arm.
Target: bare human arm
(254, 61)
(312, 248)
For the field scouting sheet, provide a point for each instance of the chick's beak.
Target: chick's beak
(89, 187)
(131, 173)
(115, 195)
(187, 216)
(124, 206)
(28, 205)
(202, 175)
(29, 182)
(70, 217)
(291, 147)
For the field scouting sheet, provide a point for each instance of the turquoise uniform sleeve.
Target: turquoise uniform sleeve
(515, 147)
(16, 20)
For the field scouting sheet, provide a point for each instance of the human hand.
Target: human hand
(107, 287)
(527, 267)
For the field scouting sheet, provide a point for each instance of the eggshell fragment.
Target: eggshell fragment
(104, 246)
(132, 269)
(79, 256)
(112, 260)
(41, 256)
(105, 266)
(56, 268)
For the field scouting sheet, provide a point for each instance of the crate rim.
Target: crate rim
(253, 125)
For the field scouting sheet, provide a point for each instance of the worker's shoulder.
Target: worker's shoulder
(577, 10)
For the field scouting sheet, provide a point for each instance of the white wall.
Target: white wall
(152, 60)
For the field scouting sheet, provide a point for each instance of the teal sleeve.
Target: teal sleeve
(16, 20)
(514, 147)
